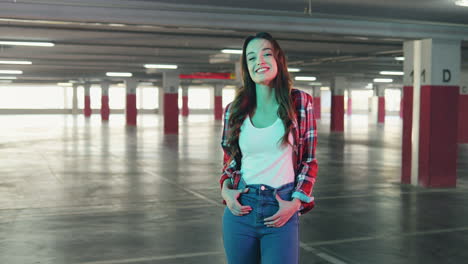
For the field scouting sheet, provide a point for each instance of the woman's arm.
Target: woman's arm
(308, 167)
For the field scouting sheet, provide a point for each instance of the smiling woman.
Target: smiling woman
(269, 141)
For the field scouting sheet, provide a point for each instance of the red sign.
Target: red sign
(208, 75)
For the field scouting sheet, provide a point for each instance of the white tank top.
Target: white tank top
(264, 160)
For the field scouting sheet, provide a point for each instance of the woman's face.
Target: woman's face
(261, 61)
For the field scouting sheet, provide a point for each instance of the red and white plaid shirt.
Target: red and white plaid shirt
(305, 141)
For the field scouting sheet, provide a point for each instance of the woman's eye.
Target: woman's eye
(252, 58)
(268, 54)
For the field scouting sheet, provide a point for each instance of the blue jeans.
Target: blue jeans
(247, 240)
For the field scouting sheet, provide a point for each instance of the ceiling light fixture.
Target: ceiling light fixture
(5, 81)
(315, 83)
(294, 70)
(64, 84)
(231, 51)
(391, 73)
(119, 74)
(15, 62)
(10, 72)
(400, 58)
(382, 80)
(462, 3)
(27, 43)
(160, 66)
(7, 78)
(305, 78)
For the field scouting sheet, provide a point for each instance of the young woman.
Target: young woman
(269, 142)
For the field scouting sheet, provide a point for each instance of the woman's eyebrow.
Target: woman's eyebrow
(262, 50)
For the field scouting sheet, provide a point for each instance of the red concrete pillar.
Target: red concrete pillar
(317, 94)
(463, 112)
(171, 107)
(337, 104)
(380, 90)
(130, 106)
(185, 108)
(87, 100)
(438, 117)
(407, 112)
(105, 101)
(218, 101)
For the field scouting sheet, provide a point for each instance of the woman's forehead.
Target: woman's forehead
(258, 44)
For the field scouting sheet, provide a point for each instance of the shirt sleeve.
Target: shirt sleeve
(228, 167)
(308, 167)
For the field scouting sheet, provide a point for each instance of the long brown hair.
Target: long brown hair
(245, 101)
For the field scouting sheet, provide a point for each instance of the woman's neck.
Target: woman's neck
(265, 97)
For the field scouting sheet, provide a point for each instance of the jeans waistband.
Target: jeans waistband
(267, 189)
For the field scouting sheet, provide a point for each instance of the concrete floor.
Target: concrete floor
(81, 192)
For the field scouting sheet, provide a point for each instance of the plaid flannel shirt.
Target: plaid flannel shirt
(305, 141)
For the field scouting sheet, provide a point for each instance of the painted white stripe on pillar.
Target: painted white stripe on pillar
(316, 91)
(416, 111)
(75, 99)
(87, 89)
(105, 88)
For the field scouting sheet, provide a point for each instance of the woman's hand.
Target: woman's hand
(231, 197)
(286, 210)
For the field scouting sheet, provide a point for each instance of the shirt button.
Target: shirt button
(262, 188)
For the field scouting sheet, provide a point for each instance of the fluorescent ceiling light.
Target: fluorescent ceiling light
(65, 84)
(315, 83)
(391, 73)
(5, 81)
(27, 43)
(462, 3)
(119, 74)
(10, 72)
(400, 58)
(305, 78)
(294, 70)
(7, 78)
(231, 51)
(146, 83)
(383, 80)
(325, 88)
(15, 62)
(160, 66)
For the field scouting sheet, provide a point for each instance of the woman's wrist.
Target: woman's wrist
(297, 202)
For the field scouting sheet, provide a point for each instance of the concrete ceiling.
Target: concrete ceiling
(355, 38)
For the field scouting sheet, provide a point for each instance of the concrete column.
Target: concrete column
(407, 110)
(401, 103)
(317, 94)
(338, 85)
(238, 69)
(438, 113)
(380, 92)
(185, 108)
(463, 110)
(171, 109)
(218, 101)
(130, 105)
(350, 103)
(140, 95)
(105, 101)
(87, 99)
(75, 99)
